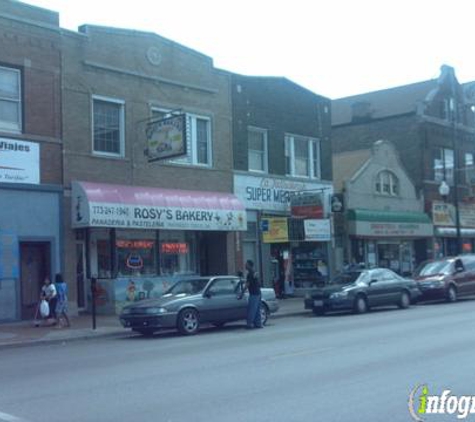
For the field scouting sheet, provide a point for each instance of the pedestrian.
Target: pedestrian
(62, 302)
(48, 293)
(254, 302)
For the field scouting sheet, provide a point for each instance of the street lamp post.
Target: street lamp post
(453, 109)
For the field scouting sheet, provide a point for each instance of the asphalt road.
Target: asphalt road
(333, 368)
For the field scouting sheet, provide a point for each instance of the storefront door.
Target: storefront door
(35, 265)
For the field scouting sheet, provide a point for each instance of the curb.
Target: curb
(44, 342)
(116, 333)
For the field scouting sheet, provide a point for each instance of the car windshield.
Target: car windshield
(191, 287)
(346, 277)
(436, 267)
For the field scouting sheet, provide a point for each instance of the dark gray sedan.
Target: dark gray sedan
(361, 290)
(192, 301)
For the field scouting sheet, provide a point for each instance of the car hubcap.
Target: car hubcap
(190, 321)
(263, 315)
(452, 295)
(361, 305)
(405, 300)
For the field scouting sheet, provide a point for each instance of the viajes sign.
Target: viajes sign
(19, 161)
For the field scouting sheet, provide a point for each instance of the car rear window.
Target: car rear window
(436, 267)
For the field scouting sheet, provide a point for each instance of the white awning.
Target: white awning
(120, 206)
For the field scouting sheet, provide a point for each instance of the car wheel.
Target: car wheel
(360, 305)
(264, 313)
(404, 300)
(188, 321)
(452, 294)
(145, 331)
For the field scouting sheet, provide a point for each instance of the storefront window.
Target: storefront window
(178, 252)
(136, 253)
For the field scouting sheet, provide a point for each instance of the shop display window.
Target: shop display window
(310, 266)
(178, 253)
(136, 253)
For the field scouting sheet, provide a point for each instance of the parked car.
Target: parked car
(193, 301)
(447, 278)
(360, 290)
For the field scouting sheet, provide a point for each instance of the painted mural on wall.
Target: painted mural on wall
(113, 295)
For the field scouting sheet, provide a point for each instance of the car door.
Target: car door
(470, 269)
(222, 301)
(377, 289)
(393, 285)
(460, 277)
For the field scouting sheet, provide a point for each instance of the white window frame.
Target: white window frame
(469, 167)
(313, 156)
(7, 126)
(191, 158)
(444, 170)
(121, 103)
(393, 182)
(265, 157)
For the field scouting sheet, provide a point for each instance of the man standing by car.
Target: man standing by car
(254, 303)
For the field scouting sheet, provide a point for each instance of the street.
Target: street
(335, 368)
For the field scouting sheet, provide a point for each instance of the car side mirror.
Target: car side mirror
(208, 294)
(459, 270)
(373, 281)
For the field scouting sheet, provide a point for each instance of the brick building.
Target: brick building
(431, 125)
(132, 224)
(30, 155)
(282, 149)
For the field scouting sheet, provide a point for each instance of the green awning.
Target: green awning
(388, 216)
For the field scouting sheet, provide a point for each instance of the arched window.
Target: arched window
(387, 183)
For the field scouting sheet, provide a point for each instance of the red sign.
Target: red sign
(135, 244)
(307, 211)
(174, 248)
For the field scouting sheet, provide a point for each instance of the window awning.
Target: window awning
(120, 206)
(388, 216)
(389, 224)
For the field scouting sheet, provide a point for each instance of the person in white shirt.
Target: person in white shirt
(48, 292)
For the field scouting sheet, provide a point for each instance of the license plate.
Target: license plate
(318, 303)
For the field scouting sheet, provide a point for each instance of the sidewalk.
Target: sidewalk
(24, 333)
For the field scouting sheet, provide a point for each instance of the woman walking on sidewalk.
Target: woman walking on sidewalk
(48, 293)
(62, 303)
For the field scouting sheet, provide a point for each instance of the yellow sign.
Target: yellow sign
(274, 230)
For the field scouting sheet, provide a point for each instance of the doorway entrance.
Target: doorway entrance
(35, 265)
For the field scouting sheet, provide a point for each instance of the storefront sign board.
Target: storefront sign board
(19, 161)
(275, 230)
(317, 230)
(271, 193)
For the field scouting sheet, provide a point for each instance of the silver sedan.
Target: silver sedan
(193, 301)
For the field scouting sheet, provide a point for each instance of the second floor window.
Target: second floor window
(387, 183)
(443, 165)
(108, 130)
(198, 143)
(469, 169)
(257, 149)
(302, 156)
(10, 100)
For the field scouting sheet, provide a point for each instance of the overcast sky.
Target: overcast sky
(335, 48)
